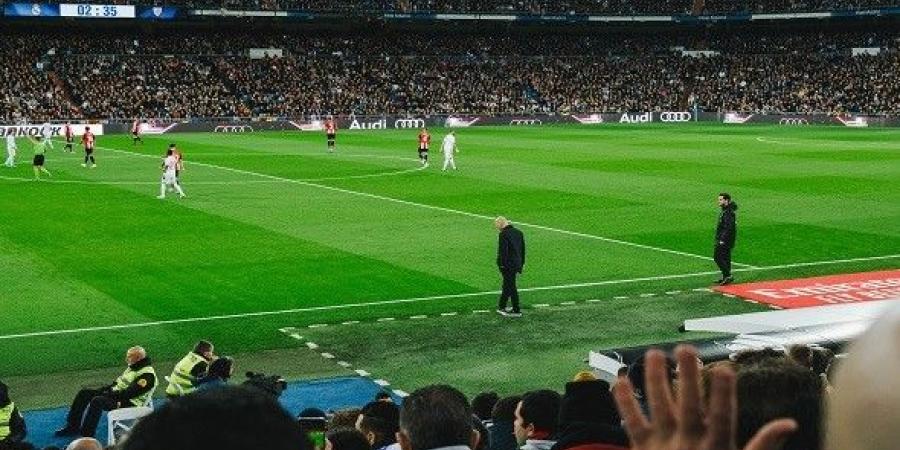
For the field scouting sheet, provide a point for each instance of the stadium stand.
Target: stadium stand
(552, 7)
(182, 74)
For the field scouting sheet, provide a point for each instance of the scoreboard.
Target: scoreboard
(86, 11)
(97, 11)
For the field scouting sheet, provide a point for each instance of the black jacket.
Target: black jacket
(726, 230)
(511, 249)
(17, 429)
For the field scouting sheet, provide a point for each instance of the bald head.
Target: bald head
(500, 222)
(865, 397)
(85, 443)
(135, 354)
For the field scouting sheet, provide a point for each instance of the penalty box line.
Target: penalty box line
(423, 299)
(439, 208)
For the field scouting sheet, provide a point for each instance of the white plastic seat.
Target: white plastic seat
(122, 419)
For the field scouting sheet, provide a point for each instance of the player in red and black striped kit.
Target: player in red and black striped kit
(424, 142)
(70, 137)
(330, 133)
(87, 140)
(136, 132)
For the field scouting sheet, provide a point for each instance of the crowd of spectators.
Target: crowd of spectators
(555, 7)
(757, 399)
(182, 75)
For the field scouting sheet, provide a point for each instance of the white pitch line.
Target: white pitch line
(448, 314)
(381, 382)
(422, 299)
(312, 345)
(344, 364)
(327, 355)
(317, 325)
(418, 317)
(480, 311)
(542, 305)
(362, 373)
(386, 319)
(400, 393)
(567, 303)
(309, 183)
(350, 322)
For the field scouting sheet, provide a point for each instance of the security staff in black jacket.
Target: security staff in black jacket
(12, 424)
(133, 388)
(510, 261)
(726, 232)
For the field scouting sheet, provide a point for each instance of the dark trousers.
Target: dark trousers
(84, 415)
(722, 256)
(509, 291)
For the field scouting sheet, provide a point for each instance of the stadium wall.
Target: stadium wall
(673, 118)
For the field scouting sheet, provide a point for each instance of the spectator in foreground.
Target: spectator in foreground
(85, 444)
(483, 404)
(780, 388)
(503, 417)
(588, 418)
(344, 418)
(537, 417)
(865, 406)
(379, 422)
(12, 424)
(346, 438)
(680, 421)
(231, 418)
(434, 417)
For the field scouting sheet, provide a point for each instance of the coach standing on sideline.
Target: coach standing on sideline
(510, 261)
(726, 232)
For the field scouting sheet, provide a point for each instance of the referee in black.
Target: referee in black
(726, 232)
(510, 261)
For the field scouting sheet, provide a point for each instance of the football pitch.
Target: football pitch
(393, 264)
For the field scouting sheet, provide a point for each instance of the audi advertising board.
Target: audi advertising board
(233, 129)
(56, 130)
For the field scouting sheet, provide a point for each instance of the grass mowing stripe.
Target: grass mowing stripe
(439, 208)
(421, 299)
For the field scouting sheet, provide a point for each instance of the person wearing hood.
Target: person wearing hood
(133, 388)
(12, 424)
(588, 418)
(537, 417)
(726, 233)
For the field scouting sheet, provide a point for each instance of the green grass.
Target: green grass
(273, 223)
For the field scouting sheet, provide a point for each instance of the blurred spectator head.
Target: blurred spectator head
(779, 388)
(436, 416)
(231, 418)
(537, 415)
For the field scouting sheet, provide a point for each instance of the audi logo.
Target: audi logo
(677, 116)
(409, 123)
(525, 122)
(233, 129)
(793, 121)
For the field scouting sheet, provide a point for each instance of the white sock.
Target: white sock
(178, 189)
(162, 189)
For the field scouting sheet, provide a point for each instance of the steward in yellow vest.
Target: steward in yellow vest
(12, 424)
(133, 388)
(189, 370)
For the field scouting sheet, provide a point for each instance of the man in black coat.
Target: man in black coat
(726, 232)
(510, 261)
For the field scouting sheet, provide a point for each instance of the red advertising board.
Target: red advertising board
(830, 290)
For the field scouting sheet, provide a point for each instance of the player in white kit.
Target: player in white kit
(169, 166)
(448, 148)
(47, 134)
(10, 150)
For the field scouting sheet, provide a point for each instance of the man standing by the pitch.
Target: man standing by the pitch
(726, 232)
(510, 261)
